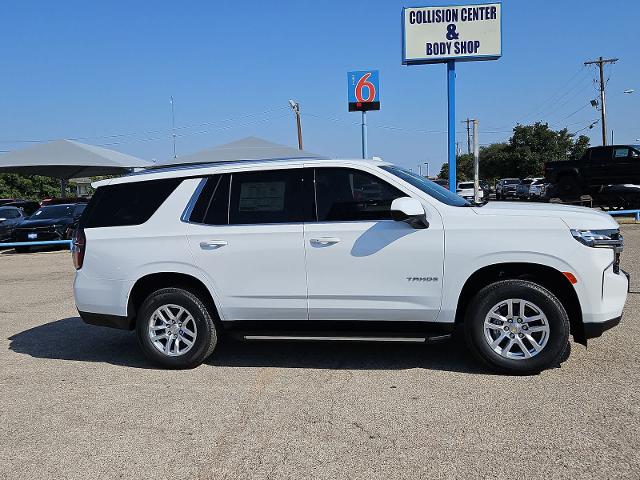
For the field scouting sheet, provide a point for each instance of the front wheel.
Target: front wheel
(517, 327)
(176, 329)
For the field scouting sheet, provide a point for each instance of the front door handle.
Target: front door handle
(212, 244)
(325, 240)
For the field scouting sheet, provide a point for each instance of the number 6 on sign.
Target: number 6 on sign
(363, 90)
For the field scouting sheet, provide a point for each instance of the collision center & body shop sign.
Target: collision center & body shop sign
(462, 32)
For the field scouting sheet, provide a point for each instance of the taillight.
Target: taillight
(78, 246)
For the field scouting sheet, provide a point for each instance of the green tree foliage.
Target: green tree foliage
(523, 155)
(32, 187)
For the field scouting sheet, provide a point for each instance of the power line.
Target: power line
(150, 132)
(561, 91)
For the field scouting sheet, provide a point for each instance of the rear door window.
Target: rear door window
(601, 154)
(269, 196)
(127, 203)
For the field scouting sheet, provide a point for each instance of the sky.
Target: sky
(104, 73)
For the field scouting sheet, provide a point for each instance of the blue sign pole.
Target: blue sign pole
(451, 111)
(364, 135)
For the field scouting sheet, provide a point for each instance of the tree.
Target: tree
(32, 187)
(523, 155)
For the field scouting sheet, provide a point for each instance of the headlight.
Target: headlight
(600, 238)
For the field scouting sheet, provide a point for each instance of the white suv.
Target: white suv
(341, 250)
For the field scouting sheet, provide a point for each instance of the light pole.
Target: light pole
(295, 106)
(476, 163)
(173, 128)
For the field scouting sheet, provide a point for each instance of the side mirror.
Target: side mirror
(410, 210)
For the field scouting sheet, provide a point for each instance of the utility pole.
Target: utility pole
(601, 63)
(295, 106)
(468, 122)
(173, 128)
(476, 163)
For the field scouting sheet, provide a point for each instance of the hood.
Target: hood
(45, 222)
(583, 218)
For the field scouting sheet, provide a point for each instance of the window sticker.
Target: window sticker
(262, 197)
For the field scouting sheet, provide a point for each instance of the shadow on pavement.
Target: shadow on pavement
(72, 339)
(450, 356)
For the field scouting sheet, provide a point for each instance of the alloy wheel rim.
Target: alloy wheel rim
(172, 330)
(516, 329)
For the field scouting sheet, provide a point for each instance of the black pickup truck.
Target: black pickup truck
(610, 174)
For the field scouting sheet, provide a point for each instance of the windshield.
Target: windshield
(9, 213)
(54, 211)
(465, 185)
(527, 181)
(427, 186)
(511, 181)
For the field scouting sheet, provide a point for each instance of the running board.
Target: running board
(349, 338)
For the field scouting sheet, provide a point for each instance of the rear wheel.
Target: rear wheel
(517, 327)
(176, 329)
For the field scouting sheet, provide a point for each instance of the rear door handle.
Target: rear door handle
(212, 244)
(325, 240)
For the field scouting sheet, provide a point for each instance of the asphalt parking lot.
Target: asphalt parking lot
(82, 402)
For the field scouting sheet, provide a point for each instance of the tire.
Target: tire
(513, 359)
(23, 249)
(497, 196)
(195, 318)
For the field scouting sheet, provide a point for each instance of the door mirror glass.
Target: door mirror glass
(410, 210)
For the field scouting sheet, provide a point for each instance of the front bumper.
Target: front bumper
(39, 235)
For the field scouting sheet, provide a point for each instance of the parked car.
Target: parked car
(610, 174)
(63, 200)
(28, 207)
(539, 190)
(466, 191)
(288, 249)
(488, 190)
(506, 188)
(442, 182)
(52, 222)
(9, 218)
(522, 189)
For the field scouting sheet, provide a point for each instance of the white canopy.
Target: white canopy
(67, 159)
(250, 148)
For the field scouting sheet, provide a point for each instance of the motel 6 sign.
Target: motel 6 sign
(363, 90)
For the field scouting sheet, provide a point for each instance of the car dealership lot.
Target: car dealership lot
(83, 402)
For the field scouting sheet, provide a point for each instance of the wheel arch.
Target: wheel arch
(147, 284)
(544, 275)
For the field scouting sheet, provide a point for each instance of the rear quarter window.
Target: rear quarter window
(127, 203)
